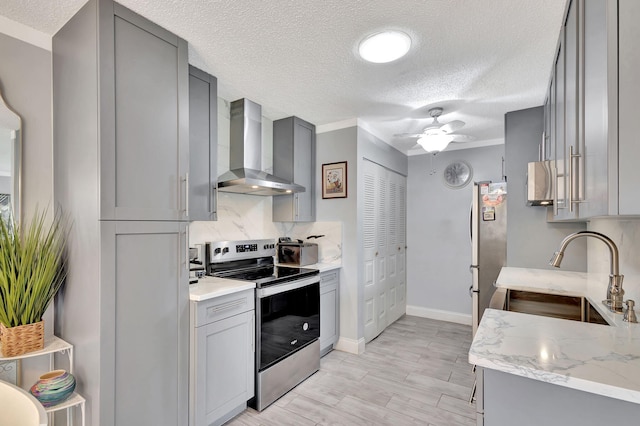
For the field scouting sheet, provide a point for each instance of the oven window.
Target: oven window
(288, 321)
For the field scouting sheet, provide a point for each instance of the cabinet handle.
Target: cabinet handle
(186, 194)
(213, 206)
(555, 189)
(253, 332)
(572, 158)
(186, 244)
(234, 304)
(570, 178)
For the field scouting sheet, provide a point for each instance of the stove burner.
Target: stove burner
(266, 275)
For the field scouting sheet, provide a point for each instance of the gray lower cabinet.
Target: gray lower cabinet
(294, 153)
(510, 400)
(144, 333)
(222, 357)
(203, 145)
(329, 310)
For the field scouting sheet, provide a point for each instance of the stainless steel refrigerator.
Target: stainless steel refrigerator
(488, 242)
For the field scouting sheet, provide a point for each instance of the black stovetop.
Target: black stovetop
(266, 275)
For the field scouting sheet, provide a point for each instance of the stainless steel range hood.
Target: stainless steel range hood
(245, 176)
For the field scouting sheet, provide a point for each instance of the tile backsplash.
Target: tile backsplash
(626, 234)
(242, 217)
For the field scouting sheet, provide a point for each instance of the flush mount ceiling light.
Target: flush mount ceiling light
(435, 143)
(384, 47)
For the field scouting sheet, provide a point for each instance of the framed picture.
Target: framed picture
(334, 180)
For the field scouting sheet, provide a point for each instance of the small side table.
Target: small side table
(53, 345)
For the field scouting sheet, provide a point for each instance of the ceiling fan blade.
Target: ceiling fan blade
(462, 138)
(408, 135)
(452, 126)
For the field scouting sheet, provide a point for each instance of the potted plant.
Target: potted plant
(32, 270)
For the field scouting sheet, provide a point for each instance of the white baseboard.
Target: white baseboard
(350, 345)
(440, 315)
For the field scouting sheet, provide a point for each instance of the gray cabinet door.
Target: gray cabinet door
(203, 145)
(329, 310)
(597, 117)
(145, 323)
(145, 163)
(224, 368)
(294, 150)
(628, 66)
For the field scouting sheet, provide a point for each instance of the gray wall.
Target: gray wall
(25, 82)
(351, 144)
(531, 240)
(439, 246)
(374, 149)
(331, 147)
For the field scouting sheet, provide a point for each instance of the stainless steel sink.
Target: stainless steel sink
(573, 308)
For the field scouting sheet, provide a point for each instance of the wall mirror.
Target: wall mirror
(10, 161)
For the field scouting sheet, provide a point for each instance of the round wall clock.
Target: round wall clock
(457, 174)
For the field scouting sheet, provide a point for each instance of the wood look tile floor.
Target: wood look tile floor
(415, 373)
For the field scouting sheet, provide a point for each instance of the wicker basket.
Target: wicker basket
(21, 339)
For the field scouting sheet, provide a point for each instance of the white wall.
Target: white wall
(626, 234)
(439, 246)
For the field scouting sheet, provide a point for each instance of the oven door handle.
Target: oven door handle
(287, 286)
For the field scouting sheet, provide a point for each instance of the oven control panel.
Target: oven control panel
(223, 251)
(244, 248)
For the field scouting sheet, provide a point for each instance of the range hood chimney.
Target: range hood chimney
(245, 176)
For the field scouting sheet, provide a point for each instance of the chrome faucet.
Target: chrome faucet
(615, 293)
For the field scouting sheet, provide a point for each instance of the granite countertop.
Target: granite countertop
(603, 360)
(210, 287)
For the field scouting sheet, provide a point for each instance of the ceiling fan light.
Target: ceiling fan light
(435, 143)
(435, 132)
(383, 47)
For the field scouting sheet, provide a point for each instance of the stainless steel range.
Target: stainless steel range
(287, 314)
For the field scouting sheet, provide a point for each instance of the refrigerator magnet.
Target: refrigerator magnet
(488, 213)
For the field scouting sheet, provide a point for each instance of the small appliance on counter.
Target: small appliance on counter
(197, 265)
(297, 252)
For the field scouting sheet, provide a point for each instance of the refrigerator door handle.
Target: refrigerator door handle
(471, 291)
(472, 267)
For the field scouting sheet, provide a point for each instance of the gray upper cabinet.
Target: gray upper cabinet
(597, 168)
(628, 123)
(203, 145)
(294, 152)
(148, 179)
(140, 101)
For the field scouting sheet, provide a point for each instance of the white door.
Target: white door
(369, 250)
(384, 222)
(382, 261)
(401, 213)
(392, 247)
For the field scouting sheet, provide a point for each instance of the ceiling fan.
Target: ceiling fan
(437, 136)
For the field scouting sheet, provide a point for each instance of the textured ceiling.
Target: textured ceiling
(478, 59)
